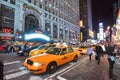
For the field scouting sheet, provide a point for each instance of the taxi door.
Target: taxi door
(64, 57)
(71, 53)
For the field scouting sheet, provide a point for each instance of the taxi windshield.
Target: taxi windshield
(55, 51)
(47, 47)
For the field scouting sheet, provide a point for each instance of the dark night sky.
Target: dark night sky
(102, 11)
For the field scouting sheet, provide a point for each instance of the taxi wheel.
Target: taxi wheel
(75, 58)
(51, 67)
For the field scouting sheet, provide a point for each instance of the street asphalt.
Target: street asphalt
(91, 71)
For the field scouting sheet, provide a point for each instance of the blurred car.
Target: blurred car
(41, 49)
(26, 52)
(51, 59)
(82, 49)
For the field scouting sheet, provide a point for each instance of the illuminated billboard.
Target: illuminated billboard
(36, 36)
(101, 31)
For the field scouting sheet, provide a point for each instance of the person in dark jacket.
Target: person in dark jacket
(99, 52)
(111, 51)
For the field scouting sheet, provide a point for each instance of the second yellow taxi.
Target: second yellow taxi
(41, 49)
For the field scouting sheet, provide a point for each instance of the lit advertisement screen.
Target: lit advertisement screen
(101, 34)
(36, 36)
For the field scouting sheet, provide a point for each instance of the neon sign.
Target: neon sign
(6, 30)
(5, 38)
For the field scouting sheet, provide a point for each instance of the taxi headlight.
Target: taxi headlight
(36, 64)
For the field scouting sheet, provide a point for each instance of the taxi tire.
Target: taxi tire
(51, 68)
(75, 58)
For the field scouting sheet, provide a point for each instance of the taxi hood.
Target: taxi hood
(42, 57)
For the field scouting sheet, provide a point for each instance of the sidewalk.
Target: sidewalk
(92, 71)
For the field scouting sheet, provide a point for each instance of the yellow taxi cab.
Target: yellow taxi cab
(41, 49)
(51, 59)
(82, 50)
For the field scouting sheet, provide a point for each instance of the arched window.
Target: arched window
(31, 23)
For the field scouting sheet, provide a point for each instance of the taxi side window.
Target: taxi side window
(70, 50)
(64, 51)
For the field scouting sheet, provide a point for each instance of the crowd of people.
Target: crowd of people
(11, 48)
(111, 50)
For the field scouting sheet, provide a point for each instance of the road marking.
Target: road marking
(80, 62)
(61, 78)
(35, 78)
(11, 63)
(71, 63)
(13, 70)
(68, 68)
(17, 74)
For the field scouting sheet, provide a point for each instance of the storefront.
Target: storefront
(6, 22)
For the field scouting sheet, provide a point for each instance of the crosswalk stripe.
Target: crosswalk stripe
(17, 74)
(13, 70)
(35, 78)
(11, 62)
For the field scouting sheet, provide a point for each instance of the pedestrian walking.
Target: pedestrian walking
(12, 49)
(89, 52)
(1, 49)
(99, 52)
(103, 48)
(111, 51)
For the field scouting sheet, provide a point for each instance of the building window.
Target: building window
(70, 34)
(55, 31)
(29, 1)
(45, 8)
(7, 16)
(5, 0)
(61, 33)
(31, 23)
(41, 1)
(49, 16)
(40, 5)
(53, 18)
(66, 35)
(47, 27)
(12, 1)
(76, 34)
(35, 2)
(46, 15)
